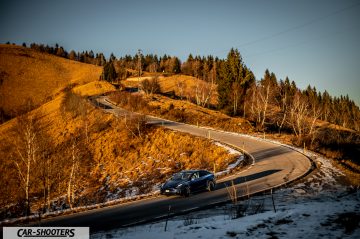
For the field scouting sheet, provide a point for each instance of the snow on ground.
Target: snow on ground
(311, 219)
(230, 150)
(316, 207)
(230, 167)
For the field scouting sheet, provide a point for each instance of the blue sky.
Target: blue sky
(311, 42)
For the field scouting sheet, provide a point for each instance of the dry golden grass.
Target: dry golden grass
(187, 112)
(156, 157)
(170, 84)
(94, 88)
(351, 171)
(28, 74)
(139, 79)
(325, 124)
(51, 115)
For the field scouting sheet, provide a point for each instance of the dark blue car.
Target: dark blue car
(187, 182)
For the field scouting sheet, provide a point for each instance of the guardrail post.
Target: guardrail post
(167, 218)
(272, 197)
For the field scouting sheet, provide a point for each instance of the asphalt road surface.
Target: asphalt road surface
(273, 165)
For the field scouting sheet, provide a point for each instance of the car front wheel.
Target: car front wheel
(210, 186)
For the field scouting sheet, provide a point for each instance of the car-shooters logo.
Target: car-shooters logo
(46, 232)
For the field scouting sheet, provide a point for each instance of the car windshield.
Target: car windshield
(181, 176)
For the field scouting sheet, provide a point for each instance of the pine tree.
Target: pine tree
(72, 55)
(175, 65)
(112, 57)
(233, 82)
(109, 73)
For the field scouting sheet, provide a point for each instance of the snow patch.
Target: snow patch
(295, 217)
(229, 149)
(230, 166)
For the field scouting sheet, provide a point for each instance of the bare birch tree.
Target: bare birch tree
(235, 90)
(298, 115)
(74, 150)
(135, 124)
(266, 90)
(203, 92)
(284, 110)
(27, 152)
(181, 85)
(47, 165)
(255, 105)
(263, 94)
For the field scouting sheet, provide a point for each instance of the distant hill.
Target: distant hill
(26, 74)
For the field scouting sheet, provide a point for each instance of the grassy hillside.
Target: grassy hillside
(109, 160)
(26, 75)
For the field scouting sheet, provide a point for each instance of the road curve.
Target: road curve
(274, 166)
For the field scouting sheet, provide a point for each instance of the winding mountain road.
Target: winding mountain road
(273, 165)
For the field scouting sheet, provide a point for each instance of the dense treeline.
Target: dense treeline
(150, 63)
(279, 104)
(85, 56)
(268, 102)
(138, 62)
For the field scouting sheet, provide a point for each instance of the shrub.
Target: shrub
(136, 125)
(151, 86)
(177, 115)
(129, 101)
(74, 104)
